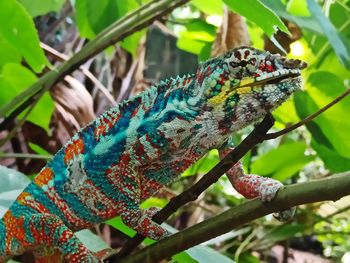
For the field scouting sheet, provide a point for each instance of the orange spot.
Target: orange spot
(73, 149)
(22, 197)
(15, 228)
(43, 177)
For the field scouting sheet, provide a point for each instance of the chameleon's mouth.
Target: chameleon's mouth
(272, 78)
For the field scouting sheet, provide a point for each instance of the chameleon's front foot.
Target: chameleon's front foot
(141, 222)
(252, 186)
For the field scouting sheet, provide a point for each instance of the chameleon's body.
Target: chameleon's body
(130, 152)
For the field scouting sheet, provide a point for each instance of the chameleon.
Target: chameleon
(133, 150)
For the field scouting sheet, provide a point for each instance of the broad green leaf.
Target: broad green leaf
(41, 114)
(279, 8)
(200, 30)
(323, 87)
(16, 79)
(260, 14)
(330, 32)
(209, 7)
(131, 43)
(283, 161)
(94, 16)
(298, 8)
(284, 232)
(17, 28)
(329, 130)
(8, 54)
(333, 161)
(197, 38)
(190, 45)
(81, 16)
(286, 113)
(12, 184)
(39, 7)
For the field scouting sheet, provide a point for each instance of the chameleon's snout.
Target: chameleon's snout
(293, 63)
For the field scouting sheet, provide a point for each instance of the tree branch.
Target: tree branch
(331, 188)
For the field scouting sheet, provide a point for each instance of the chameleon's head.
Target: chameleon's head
(245, 83)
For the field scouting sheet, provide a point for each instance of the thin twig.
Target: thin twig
(274, 135)
(63, 57)
(25, 156)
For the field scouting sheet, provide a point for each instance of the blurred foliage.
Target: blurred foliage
(318, 149)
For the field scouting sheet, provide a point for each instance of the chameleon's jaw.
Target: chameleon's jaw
(271, 78)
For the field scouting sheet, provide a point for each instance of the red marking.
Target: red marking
(266, 68)
(134, 112)
(106, 124)
(238, 55)
(246, 54)
(73, 149)
(222, 79)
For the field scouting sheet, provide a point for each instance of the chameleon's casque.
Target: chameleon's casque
(130, 152)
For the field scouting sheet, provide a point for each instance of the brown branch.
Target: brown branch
(331, 188)
(274, 135)
(191, 194)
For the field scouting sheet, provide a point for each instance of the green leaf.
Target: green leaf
(17, 28)
(329, 31)
(42, 112)
(309, 23)
(200, 30)
(94, 16)
(282, 162)
(258, 13)
(12, 184)
(329, 130)
(81, 15)
(197, 38)
(298, 8)
(100, 14)
(8, 54)
(14, 79)
(131, 43)
(39, 7)
(284, 232)
(333, 161)
(209, 7)
(332, 122)
(190, 45)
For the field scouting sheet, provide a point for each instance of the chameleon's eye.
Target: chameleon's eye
(243, 63)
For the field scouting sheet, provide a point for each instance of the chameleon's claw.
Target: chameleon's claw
(285, 215)
(269, 189)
